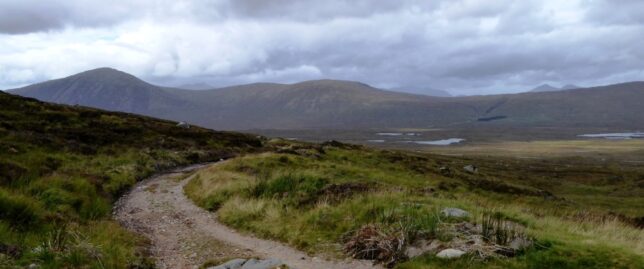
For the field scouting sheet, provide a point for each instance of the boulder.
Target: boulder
(450, 253)
(455, 212)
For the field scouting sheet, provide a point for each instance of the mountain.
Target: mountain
(549, 88)
(423, 91)
(437, 92)
(570, 87)
(109, 89)
(545, 88)
(310, 104)
(343, 104)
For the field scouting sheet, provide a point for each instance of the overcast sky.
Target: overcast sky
(463, 46)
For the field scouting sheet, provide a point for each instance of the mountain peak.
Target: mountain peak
(545, 88)
(105, 73)
(105, 88)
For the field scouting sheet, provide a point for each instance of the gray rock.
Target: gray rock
(232, 264)
(249, 264)
(471, 168)
(33, 266)
(183, 125)
(520, 243)
(455, 212)
(262, 264)
(422, 247)
(450, 253)
(444, 170)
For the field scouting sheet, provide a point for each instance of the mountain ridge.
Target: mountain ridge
(549, 88)
(341, 104)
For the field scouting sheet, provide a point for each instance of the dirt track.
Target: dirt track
(185, 236)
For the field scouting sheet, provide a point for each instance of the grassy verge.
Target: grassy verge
(322, 198)
(62, 167)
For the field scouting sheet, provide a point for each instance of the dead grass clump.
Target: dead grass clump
(503, 187)
(338, 192)
(585, 216)
(372, 242)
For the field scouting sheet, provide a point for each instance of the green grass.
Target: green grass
(62, 167)
(315, 197)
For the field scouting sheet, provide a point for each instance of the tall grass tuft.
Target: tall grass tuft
(21, 211)
(496, 229)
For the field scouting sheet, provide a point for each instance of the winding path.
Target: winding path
(183, 235)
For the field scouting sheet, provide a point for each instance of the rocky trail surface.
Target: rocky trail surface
(183, 235)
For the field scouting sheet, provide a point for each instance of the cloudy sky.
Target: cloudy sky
(463, 46)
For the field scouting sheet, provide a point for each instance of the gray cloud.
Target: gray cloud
(24, 16)
(465, 46)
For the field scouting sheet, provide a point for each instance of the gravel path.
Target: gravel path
(183, 235)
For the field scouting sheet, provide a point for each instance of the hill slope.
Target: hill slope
(61, 167)
(344, 104)
(550, 88)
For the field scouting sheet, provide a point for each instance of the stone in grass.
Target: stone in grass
(450, 253)
(455, 212)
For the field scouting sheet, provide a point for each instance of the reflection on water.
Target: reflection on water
(443, 142)
(390, 134)
(617, 136)
(398, 134)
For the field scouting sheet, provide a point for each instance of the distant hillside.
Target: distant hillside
(423, 91)
(343, 104)
(550, 88)
(570, 87)
(196, 86)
